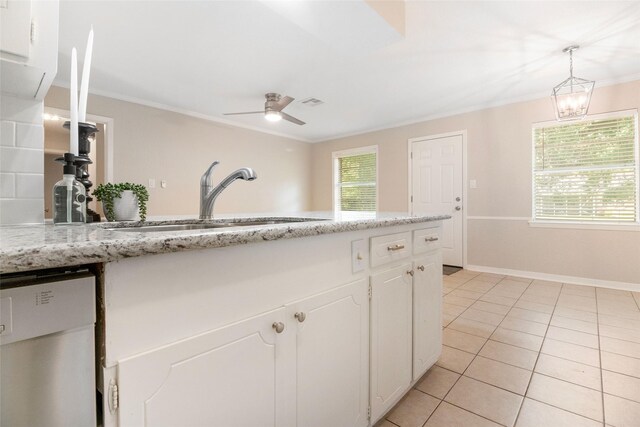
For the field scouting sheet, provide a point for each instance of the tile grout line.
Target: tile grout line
(441, 400)
(604, 416)
(533, 369)
(456, 382)
(495, 327)
(552, 314)
(478, 354)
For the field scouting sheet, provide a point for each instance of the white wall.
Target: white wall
(499, 158)
(158, 144)
(21, 160)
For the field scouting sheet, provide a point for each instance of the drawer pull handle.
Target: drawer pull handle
(420, 267)
(300, 316)
(395, 247)
(431, 239)
(278, 326)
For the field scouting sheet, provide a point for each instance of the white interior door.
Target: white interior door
(436, 188)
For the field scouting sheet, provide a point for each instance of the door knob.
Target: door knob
(458, 208)
(278, 326)
(300, 316)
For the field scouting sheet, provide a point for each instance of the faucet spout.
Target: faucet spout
(209, 194)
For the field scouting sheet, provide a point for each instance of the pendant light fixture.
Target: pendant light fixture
(572, 96)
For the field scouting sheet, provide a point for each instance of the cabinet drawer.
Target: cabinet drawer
(391, 247)
(426, 240)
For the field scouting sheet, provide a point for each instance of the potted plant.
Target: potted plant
(123, 202)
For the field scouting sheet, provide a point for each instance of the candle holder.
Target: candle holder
(86, 134)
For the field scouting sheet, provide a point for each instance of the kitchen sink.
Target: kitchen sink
(149, 228)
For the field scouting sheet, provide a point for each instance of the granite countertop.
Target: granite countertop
(32, 247)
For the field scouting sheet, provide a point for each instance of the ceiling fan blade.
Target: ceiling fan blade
(291, 119)
(283, 102)
(247, 112)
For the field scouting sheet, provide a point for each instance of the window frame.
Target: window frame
(335, 155)
(599, 225)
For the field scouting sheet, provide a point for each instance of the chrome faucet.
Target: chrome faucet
(209, 193)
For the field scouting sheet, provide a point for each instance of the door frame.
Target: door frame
(465, 205)
(108, 137)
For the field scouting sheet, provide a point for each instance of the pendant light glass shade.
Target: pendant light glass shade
(571, 97)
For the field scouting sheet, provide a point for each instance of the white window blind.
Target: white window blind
(355, 177)
(587, 171)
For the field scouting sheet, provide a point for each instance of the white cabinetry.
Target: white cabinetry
(232, 376)
(15, 28)
(331, 357)
(200, 349)
(406, 313)
(391, 314)
(304, 364)
(28, 47)
(427, 312)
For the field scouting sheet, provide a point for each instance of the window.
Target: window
(355, 175)
(587, 171)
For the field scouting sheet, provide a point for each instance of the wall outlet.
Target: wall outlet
(163, 184)
(473, 183)
(152, 183)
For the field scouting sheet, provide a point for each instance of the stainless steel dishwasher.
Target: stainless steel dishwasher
(47, 349)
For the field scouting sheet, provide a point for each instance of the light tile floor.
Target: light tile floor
(529, 353)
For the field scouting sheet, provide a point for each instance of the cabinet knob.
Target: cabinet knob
(420, 267)
(410, 272)
(300, 316)
(278, 326)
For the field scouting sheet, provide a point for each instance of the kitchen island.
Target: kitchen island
(327, 321)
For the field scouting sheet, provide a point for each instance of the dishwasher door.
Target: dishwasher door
(47, 353)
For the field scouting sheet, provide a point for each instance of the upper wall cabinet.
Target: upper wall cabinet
(28, 47)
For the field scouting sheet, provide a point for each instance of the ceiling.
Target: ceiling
(208, 58)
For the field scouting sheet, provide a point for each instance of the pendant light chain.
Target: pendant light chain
(571, 63)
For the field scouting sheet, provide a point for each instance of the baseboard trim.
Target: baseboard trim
(610, 284)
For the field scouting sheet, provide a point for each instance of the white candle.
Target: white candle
(73, 108)
(86, 72)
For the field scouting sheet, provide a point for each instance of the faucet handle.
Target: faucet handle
(206, 176)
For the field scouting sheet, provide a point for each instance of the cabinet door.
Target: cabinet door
(427, 312)
(391, 314)
(332, 363)
(232, 376)
(15, 27)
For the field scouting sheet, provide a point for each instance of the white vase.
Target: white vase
(125, 207)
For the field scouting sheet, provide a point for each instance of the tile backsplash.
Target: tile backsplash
(21, 160)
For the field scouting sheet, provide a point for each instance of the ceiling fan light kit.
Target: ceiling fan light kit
(273, 116)
(273, 107)
(572, 96)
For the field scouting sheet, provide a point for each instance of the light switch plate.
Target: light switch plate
(359, 255)
(473, 183)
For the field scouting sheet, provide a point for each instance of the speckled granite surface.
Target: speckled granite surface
(32, 247)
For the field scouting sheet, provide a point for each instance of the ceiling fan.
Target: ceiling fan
(273, 107)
